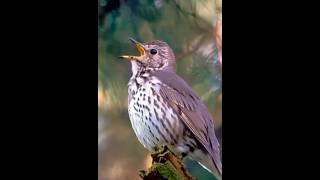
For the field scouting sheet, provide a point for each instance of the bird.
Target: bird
(164, 110)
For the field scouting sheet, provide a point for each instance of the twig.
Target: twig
(166, 165)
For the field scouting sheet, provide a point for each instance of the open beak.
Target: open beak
(140, 48)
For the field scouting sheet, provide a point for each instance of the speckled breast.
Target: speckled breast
(153, 121)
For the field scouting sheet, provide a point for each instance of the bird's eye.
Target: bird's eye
(153, 51)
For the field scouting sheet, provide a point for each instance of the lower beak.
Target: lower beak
(140, 48)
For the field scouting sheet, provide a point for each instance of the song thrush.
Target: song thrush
(164, 110)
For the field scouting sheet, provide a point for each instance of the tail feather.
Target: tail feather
(210, 166)
(208, 163)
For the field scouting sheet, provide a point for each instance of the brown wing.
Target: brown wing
(194, 113)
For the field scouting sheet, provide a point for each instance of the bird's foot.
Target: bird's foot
(164, 154)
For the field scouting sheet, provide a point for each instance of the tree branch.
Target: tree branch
(166, 165)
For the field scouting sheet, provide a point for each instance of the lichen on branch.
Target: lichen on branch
(166, 165)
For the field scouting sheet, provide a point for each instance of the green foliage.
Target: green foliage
(167, 171)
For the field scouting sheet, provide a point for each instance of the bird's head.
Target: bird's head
(154, 55)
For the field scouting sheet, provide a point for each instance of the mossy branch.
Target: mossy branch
(166, 166)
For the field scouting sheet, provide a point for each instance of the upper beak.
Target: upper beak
(140, 48)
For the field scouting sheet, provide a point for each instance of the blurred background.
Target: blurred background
(193, 29)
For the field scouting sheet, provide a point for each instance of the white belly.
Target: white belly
(153, 122)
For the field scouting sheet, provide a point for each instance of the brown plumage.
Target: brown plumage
(164, 110)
